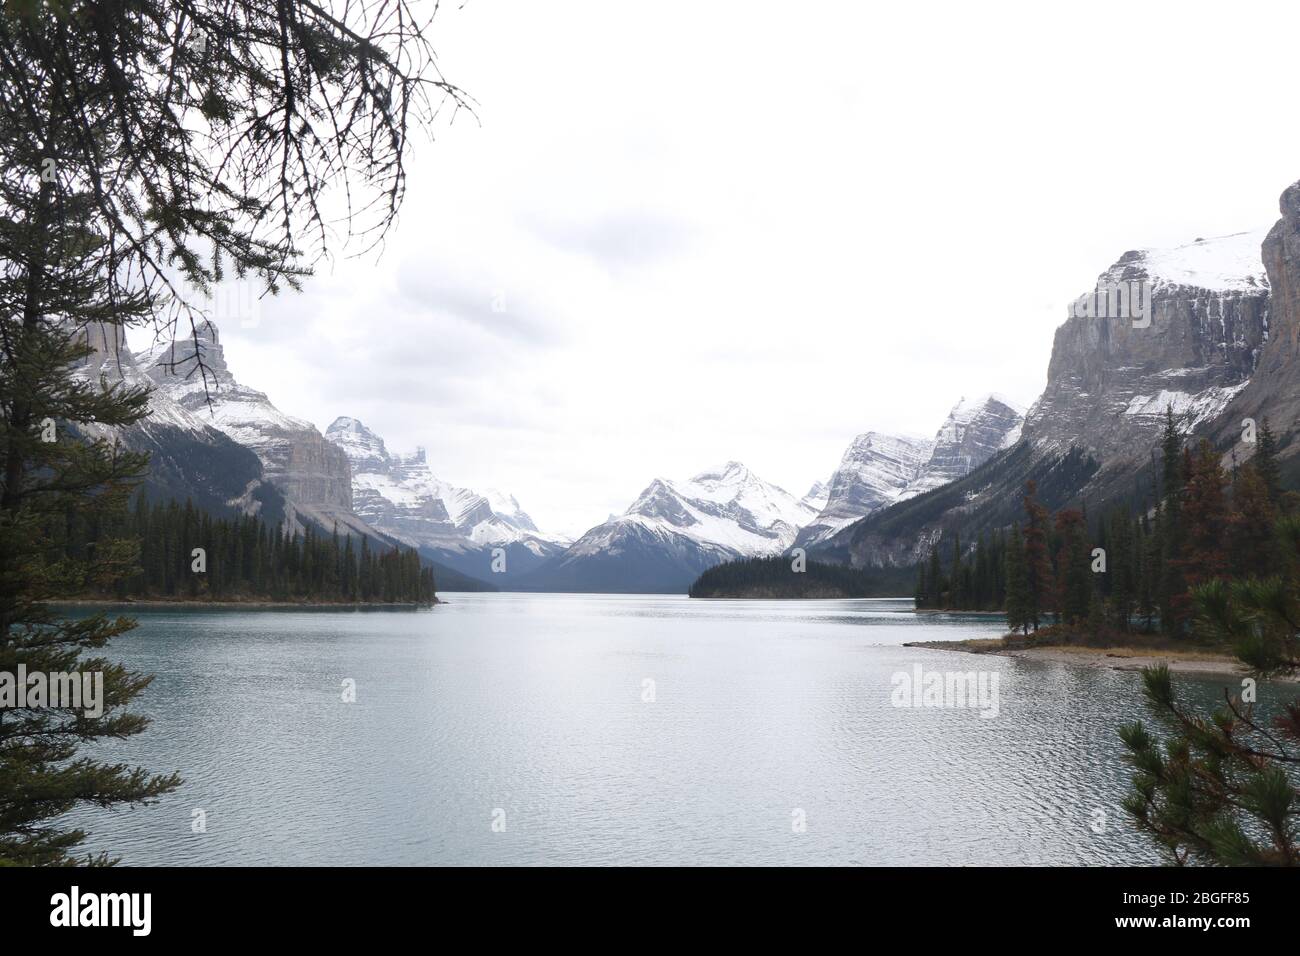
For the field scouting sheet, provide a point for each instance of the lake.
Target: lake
(600, 729)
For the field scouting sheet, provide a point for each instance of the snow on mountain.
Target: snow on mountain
(112, 361)
(879, 469)
(873, 472)
(399, 494)
(728, 506)
(1190, 411)
(1111, 377)
(1220, 264)
(974, 431)
(188, 457)
(243, 413)
(676, 529)
(365, 449)
(1199, 334)
(313, 474)
(817, 496)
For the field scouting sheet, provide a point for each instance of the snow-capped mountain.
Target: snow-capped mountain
(1110, 378)
(817, 495)
(189, 458)
(1197, 344)
(399, 495)
(312, 473)
(873, 472)
(676, 529)
(973, 432)
(878, 470)
(1229, 263)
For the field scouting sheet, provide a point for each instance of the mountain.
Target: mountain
(196, 447)
(1088, 438)
(676, 529)
(461, 528)
(312, 474)
(1110, 379)
(1274, 389)
(817, 495)
(188, 457)
(875, 469)
(973, 432)
(878, 469)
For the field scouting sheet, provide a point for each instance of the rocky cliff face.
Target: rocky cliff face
(974, 431)
(313, 474)
(1190, 337)
(1274, 389)
(188, 458)
(878, 470)
(874, 470)
(399, 495)
(1111, 377)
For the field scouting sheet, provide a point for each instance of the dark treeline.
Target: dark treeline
(783, 577)
(970, 583)
(179, 551)
(1131, 567)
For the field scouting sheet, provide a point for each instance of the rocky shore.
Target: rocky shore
(1203, 662)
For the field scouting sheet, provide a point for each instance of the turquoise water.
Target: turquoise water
(581, 729)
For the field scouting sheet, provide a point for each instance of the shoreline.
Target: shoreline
(942, 610)
(250, 605)
(1201, 663)
(788, 597)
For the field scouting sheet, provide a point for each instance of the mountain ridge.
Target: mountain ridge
(485, 535)
(1087, 439)
(674, 530)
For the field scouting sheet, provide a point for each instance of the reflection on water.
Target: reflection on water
(613, 729)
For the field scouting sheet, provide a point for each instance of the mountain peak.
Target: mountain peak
(1230, 263)
(311, 472)
(1207, 323)
(879, 469)
(349, 425)
(676, 529)
(729, 472)
(981, 402)
(974, 431)
(399, 494)
(872, 473)
(358, 442)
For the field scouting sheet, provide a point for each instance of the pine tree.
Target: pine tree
(1073, 568)
(1038, 560)
(1173, 598)
(1252, 541)
(957, 589)
(1018, 598)
(1122, 569)
(148, 150)
(49, 288)
(1266, 464)
(1151, 550)
(935, 577)
(1205, 519)
(1220, 791)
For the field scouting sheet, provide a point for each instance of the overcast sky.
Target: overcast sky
(684, 232)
